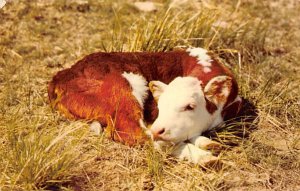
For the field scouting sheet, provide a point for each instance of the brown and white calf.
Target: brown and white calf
(181, 93)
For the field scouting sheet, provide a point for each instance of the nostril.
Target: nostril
(161, 131)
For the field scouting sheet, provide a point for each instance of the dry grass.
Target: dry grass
(39, 149)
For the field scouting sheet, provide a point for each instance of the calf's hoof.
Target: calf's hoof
(214, 147)
(211, 162)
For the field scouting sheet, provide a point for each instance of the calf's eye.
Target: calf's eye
(189, 107)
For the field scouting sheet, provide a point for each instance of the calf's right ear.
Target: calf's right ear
(157, 88)
(218, 90)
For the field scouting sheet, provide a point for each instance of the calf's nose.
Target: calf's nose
(157, 133)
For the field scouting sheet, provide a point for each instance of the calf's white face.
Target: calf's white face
(182, 110)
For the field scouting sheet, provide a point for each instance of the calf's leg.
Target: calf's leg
(191, 153)
(206, 144)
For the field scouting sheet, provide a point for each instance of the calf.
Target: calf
(188, 93)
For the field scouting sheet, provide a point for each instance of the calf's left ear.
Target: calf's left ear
(218, 89)
(157, 88)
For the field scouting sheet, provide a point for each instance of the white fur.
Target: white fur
(201, 141)
(218, 119)
(146, 130)
(182, 125)
(203, 58)
(206, 69)
(186, 151)
(96, 127)
(191, 153)
(2, 3)
(139, 86)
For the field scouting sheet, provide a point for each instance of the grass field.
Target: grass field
(41, 150)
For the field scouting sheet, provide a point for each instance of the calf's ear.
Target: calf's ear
(157, 88)
(218, 89)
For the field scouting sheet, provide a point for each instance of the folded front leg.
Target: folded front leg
(191, 153)
(206, 144)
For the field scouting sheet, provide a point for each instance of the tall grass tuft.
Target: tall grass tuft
(203, 28)
(161, 32)
(39, 156)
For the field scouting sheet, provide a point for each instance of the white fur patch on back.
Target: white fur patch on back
(203, 58)
(139, 86)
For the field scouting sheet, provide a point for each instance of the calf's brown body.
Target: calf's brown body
(94, 89)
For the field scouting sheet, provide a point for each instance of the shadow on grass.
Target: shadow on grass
(234, 131)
